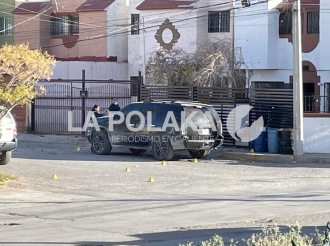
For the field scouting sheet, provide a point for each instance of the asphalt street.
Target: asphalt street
(95, 202)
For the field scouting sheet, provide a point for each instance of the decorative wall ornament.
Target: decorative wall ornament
(159, 35)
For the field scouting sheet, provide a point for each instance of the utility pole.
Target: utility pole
(298, 112)
(233, 49)
(144, 54)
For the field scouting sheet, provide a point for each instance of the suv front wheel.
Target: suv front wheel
(199, 154)
(100, 143)
(5, 157)
(162, 149)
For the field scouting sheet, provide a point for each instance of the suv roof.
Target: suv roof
(173, 101)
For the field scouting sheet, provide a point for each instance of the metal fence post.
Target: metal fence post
(139, 87)
(83, 87)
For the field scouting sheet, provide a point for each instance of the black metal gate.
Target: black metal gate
(67, 102)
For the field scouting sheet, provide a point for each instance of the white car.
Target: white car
(8, 138)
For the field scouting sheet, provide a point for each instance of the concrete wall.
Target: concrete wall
(94, 70)
(118, 30)
(192, 24)
(44, 37)
(256, 33)
(153, 19)
(316, 135)
(93, 26)
(27, 32)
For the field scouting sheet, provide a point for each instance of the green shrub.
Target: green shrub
(270, 236)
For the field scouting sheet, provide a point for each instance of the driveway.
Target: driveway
(95, 202)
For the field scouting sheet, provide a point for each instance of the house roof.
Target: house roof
(164, 4)
(94, 5)
(29, 7)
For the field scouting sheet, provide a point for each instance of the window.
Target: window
(285, 24)
(135, 20)
(75, 25)
(6, 26)
(149, 107)
(64, 25)
(129, 108)
(313, 22)
(164, 109)
(219, 21)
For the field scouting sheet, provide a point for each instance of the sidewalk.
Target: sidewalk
(48, 138)
(241, 153)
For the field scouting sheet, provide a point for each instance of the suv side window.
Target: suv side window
(129, 108)
(149, 107)
(164, 109)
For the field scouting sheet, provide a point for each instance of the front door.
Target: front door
(121, 134)
(310, 102)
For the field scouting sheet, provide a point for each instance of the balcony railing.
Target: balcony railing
(317, 104)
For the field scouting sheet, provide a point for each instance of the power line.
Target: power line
(123, 25)
(117, 19)
(126, 32)
(117, 33)
(70, 24)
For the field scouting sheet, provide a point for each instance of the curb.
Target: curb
(277, 158)
(47, 138)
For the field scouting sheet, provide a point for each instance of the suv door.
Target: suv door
(121, 135)
(162, 112)
(142, 137)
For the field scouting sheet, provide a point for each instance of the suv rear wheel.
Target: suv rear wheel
(162, 149)
(100, 143)
(5, 157)
(199, 154)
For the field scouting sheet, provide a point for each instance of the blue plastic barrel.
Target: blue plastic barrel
(272, 140)
(260, 144)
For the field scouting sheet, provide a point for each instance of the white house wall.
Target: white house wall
(256, 34)
(270, 75)
(153, 19)
(316, 135)
(192, 24)
(93, 70)
(118, 30)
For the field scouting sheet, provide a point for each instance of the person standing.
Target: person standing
(114, 105)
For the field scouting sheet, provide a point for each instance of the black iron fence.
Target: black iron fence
(317, 104)
(274, 105)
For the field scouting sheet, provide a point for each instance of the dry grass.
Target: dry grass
(270, 236)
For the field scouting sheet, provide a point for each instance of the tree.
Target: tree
(169, 68)
(20, 70)
(213, 64)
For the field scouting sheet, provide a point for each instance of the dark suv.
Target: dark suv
(162, 141)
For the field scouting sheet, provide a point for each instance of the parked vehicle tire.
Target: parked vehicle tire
(100, 143)
(137, 151)
(5, 157)
(199, 154)
(162, 149)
